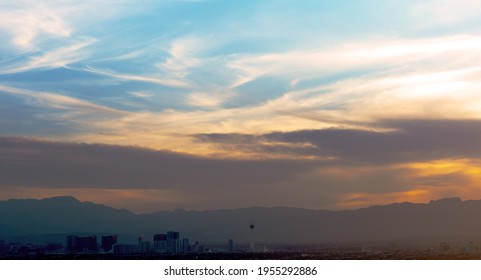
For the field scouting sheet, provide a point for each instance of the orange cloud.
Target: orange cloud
(467, 167)
(357, 200)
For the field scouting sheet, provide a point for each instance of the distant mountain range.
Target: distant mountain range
(437, 220)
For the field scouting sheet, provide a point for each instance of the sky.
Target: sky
(158, 105)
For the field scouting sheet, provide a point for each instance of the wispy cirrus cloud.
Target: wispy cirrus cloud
(58, 101)
(370, 57)
(141, 94)
(449, 94)
(37, 32)
(141, 78)
(55, 58)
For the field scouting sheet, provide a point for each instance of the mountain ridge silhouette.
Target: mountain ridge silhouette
(436, 220)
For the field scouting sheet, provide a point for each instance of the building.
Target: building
(123, 249)
(230, 245)
(144, 247)
(160, 243)
(71, 243)
(185, 245)
(160, 237)
(86, 244)
(108, 242)
(173, 242)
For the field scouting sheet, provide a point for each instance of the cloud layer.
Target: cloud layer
(415, 160)
(221, 103)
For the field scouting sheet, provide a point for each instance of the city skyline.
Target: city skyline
(205, 105)
(441, 229)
